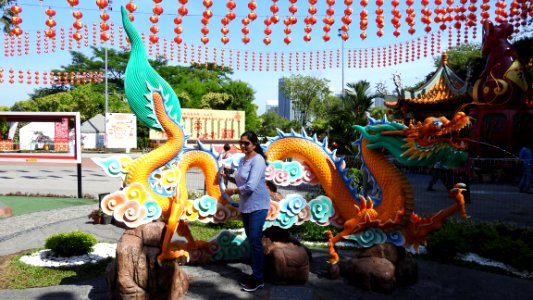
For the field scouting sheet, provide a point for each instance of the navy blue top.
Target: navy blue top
(250, 180)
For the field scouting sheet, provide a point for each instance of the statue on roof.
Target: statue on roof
(502, 81)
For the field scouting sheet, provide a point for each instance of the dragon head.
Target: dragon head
(423, 144)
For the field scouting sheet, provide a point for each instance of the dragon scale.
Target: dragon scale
(398, 197)
(322, 167)
(142, 167)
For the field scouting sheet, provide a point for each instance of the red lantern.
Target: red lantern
(154, 38)
(15, 9)
(77, 36)
(102, 4)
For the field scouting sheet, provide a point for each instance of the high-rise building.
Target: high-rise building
(284, 103)
(272, 105)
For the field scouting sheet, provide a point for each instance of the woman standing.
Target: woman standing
(254, 203)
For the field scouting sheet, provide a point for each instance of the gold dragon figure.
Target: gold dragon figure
(154, 186)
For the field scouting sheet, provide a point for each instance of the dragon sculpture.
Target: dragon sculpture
(503, 79)
(154, 184)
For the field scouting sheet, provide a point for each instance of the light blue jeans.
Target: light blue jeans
(253, 227)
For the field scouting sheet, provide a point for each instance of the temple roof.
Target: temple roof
(445, 87)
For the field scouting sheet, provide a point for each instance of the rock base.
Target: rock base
(135, 273)
(5, 211)
(382, 268)
(286, 260)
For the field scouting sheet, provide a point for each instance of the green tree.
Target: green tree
(524, 50)
(378, 112)
(304, 92)
(270, 121)
(215, 100)
(5, 20)
(241, 98)
(357, 100)
(84, 99)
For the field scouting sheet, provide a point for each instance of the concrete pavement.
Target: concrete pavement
(219, 280)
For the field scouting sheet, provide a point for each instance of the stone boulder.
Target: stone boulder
(5, 211)
(372, 273)
(382, 267)
(286, 260)
(135, 273)
(286, 263)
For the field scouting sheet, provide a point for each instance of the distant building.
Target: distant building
(272, 106)
(284, 103)
(93, 132)
(378, 102)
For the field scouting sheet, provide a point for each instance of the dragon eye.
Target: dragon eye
(437, 123)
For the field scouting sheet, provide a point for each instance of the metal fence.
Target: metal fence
(493, 192)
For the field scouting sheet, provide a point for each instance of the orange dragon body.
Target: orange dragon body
(154, 184)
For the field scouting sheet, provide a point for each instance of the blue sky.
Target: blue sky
(264, 83)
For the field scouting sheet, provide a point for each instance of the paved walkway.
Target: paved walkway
(219, 281)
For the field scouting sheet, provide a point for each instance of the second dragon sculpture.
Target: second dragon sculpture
(154, 184)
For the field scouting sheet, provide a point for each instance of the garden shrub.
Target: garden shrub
(505, 243)
(311, 232)
(73, 243)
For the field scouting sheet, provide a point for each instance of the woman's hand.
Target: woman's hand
(231, 191)
(222, 174)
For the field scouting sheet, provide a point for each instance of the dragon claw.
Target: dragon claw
(179, 255)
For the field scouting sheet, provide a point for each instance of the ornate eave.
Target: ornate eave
(444, 88)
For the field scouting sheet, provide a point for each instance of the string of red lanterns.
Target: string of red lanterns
(78, 25)
(35, 77)
(328, 20)
(288, 22)
(380, 19)
(16, 20)
(310, 20)
(206, 16)
(410, 16)
(131, 7)
(154, 19)
(347, 20)
(230, 16)
(446, 15)
(296, 59)
(396, 17)
(363, 20)
(50, 22)
(104, 16)
(178, 30)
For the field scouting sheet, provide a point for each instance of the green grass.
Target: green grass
(203, 232)
(24, 205)
(22, 276)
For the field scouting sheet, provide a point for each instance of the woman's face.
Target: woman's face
(246, 145)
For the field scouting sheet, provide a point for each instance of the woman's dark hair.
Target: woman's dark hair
(226, 147)
(272, 186)
(252, 137)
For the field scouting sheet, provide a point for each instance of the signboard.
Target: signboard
(121, 131)
(207, 124)
(40, 137)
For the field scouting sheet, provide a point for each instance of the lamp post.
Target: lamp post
(106, 93)
(342, 61)
(106, 98)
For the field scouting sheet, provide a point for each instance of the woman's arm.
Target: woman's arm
(225, 176)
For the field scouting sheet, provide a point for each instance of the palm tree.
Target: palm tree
(357, 100)
(5, 20)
